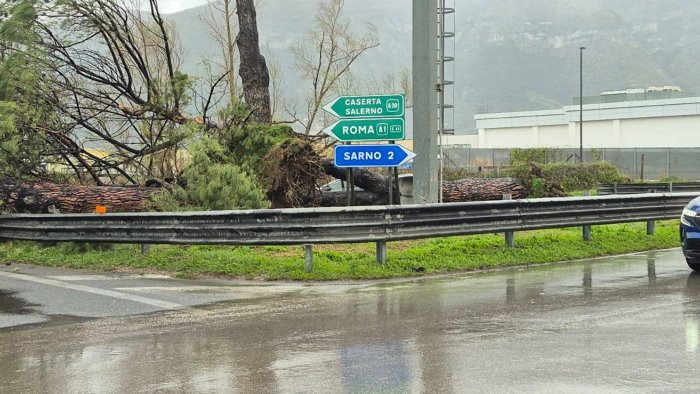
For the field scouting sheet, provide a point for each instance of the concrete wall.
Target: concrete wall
(646, 124)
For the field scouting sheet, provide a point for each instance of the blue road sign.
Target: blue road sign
(371, 155)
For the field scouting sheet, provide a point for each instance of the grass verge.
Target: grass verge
(354, 261)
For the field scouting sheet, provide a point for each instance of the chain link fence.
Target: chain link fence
(647, 164)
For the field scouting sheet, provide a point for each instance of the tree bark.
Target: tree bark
(482, 189)
(253, 68)
(340, 199)
(375, 183)
(45, 197)
(467, 189)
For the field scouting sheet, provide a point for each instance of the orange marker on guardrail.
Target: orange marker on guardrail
(101, 209)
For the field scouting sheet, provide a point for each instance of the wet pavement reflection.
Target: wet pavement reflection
(625, 324)
(9, 304)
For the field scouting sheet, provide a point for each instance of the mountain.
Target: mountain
(510, 54)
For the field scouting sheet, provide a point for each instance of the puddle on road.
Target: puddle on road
(13, 305)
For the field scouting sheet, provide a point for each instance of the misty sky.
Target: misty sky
(170, 6)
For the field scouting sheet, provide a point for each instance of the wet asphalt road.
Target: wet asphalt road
(624, 324)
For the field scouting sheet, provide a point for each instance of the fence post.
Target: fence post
(308, 257)
(381, 252)
(587, 227)
(510, 235)
(145, 249)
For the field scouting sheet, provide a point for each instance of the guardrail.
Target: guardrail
(651, 187)
(378, 224)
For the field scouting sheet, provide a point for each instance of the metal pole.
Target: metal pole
(425, 32)
(308, 258)
(586, 233)
(441, 94)
(580, 97)
(381, 252)
(509, 235)
(390, 181)
(396, 186)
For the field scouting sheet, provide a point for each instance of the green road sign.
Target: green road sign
(379, 106)
(367, 129)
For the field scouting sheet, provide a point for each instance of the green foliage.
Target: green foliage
(527, 156)
(171, 199)
(216, 181)
(583, 176)
(673, 179)
(226, 170)
(84, 247)
(249, 144)
(545, 180)
(17, 28)
(22, 147)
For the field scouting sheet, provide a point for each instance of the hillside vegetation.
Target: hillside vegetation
(510, 54)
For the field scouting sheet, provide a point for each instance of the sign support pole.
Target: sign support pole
(425, 122)
(391, 181)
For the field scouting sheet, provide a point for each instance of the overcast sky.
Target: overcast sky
(170, 6)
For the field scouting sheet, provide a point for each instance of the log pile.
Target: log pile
(482, 189)
(44, 197)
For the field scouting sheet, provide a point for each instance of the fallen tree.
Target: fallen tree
(482, 189)
(467, 189)
(18, 196)
(43, 197)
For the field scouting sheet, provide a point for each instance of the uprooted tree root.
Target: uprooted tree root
(291, 172)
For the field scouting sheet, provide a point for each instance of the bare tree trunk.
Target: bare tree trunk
(340, 199)
(467, 189)
(482, 189)
(253, 68)
(43, 197)
(370, 181)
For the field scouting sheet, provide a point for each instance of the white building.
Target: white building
(664, 123)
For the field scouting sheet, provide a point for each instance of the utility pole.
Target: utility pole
(426, 185)
(580, 102)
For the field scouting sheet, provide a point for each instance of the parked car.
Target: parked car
(337, 186)
(690, 234)
(405, 187)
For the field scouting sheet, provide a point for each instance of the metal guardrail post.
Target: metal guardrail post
(651, 226)
(145, 249)
(587, 228)
(308, 257)
(587, 233)
(509, 235)
(381, 252)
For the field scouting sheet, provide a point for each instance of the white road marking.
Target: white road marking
(78, 278)
(214, 289)
(93, 290)
(182, 289)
